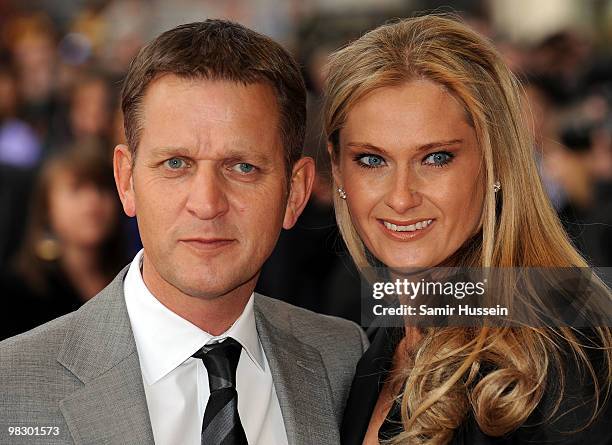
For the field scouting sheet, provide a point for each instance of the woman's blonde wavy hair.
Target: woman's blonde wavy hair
(444, 378)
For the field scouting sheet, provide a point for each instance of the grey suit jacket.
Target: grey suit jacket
(80, 374)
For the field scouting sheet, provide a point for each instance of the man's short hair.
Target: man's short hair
(219, 50)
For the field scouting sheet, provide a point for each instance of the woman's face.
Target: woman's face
(410, 166)
(81, 213)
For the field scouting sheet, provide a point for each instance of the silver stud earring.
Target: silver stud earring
(496, 187)
(342, 193)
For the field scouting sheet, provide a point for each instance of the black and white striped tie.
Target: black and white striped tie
(221, 424)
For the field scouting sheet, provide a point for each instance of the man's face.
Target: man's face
(208, 184)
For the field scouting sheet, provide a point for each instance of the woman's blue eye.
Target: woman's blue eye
(244, 167)
(370, 161)
(439, 159)
(175, 163)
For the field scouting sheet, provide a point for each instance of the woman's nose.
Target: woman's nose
(403, 194)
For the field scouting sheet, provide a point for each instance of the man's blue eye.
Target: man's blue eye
(439, 159)
(371, 161)
(244, 167)
(175, 163)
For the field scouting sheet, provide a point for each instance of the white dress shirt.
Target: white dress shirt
(176, 385)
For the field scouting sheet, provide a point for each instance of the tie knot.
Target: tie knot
(221, 361)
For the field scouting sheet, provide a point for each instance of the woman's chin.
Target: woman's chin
(403, 264)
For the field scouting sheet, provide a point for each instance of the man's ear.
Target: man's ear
(302, 177)
(334, 164)
(122, 168)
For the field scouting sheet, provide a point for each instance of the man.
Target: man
(178, 349)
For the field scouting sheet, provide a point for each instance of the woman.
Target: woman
(433, 167)
(72, 247)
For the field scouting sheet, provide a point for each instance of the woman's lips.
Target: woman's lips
(406, 230)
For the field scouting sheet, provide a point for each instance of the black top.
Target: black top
(374, 367)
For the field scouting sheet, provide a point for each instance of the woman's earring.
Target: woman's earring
(496, 187)
(342, 193)
(48, 248)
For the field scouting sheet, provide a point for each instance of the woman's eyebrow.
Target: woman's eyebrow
(439, 144)
(365, 146)
(436, 144)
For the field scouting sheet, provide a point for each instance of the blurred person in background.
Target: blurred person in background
(598, 237)
(20, 152)
(538, 109)
(574, 157)
(72, 248)
(588, 213)
(561, 61)
(89, 112)
(32, 44)
(19, 144)
(567, 88)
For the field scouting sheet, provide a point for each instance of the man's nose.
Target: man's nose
(208, 194)
(402, 193)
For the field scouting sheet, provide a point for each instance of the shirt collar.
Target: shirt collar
(165, 340)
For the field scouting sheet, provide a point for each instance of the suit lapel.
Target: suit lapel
(300, 379)
(99, 349)
(111, 408)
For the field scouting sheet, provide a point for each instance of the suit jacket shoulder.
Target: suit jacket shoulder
(318, 330)
(78, 374)
(33, 383)
(313, 359)
(340, 342)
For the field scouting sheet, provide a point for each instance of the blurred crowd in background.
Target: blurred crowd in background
(63, 235)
